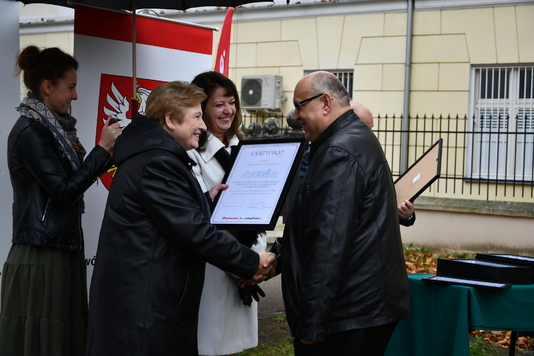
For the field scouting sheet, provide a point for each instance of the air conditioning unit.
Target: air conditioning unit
(261, 92)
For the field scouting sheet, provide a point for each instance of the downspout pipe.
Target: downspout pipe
(407, 82)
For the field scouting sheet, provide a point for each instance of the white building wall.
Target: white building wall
(9, 99)
(369, 37)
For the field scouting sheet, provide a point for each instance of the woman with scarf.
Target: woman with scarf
(44, 288)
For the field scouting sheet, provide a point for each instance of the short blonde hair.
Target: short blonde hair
(172, 98)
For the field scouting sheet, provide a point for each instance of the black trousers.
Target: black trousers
(359, 342)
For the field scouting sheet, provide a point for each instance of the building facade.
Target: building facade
(457, 70)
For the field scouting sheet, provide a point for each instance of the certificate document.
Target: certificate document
(259, 181)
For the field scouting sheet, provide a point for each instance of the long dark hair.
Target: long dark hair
(209, 81)
(40, 65)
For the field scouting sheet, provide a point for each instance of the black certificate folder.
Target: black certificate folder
(420, 175)
(484, 271)
(259, 182)
(509, 259)
(466, 282)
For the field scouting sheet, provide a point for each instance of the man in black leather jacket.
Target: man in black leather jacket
(405, 208)
(343, 274)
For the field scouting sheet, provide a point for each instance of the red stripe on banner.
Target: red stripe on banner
(222, 59)
(113, 25)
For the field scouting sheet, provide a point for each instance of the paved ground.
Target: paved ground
(271, 328)
(272, 304)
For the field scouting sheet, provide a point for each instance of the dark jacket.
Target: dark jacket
(155, 237)
(341, 254)
(303, 167)
(47, 193)
(408, 222)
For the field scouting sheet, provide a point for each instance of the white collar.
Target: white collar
(213, 144)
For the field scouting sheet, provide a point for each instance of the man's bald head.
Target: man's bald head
(319, 98)
(363, 113)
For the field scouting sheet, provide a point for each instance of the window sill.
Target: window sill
(502, 208)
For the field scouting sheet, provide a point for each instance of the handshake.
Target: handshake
(266, 267)
(249, 290)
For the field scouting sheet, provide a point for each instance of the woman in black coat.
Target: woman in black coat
(156, 236)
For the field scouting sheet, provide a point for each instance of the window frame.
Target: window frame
(346, 76)
(500, 136)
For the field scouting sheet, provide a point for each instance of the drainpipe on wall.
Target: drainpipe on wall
(407, 71)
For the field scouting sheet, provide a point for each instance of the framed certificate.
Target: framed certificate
(259, 181)
(420, 175)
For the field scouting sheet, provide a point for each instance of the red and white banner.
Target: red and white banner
(223, 51)
(165, 51)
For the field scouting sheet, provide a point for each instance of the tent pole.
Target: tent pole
(134, 60)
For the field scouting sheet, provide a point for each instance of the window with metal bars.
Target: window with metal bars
(501, 139)
(345, 76)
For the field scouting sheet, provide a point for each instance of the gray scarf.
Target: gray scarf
(62, 127)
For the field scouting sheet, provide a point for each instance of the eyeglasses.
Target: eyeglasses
(304, 102)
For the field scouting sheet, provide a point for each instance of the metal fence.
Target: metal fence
(479, 161)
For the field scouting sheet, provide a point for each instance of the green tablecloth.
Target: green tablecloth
(442, 316)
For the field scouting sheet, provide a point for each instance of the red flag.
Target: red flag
(223, 51)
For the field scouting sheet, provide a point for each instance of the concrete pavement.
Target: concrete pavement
(273, 304)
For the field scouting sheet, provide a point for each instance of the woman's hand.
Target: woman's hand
(266, 267)
(216, 189)
(109, 134)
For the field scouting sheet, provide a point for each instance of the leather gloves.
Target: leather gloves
(248, 292)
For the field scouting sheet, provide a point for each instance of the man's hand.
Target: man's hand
(266, 267)
(405, 209)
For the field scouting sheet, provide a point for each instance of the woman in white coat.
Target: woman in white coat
(228, 317)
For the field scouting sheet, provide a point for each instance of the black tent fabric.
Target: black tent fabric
(144, 4)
